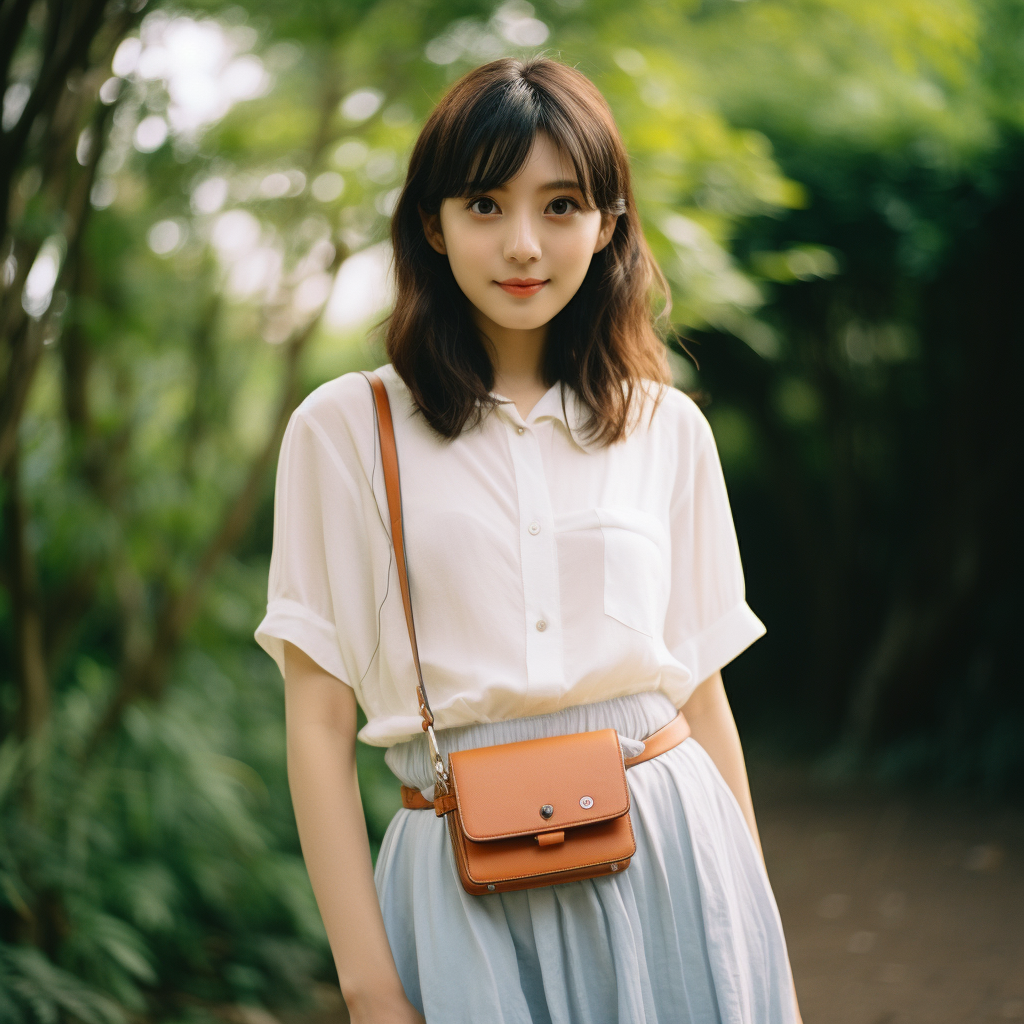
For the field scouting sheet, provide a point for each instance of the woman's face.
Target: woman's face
(520, 252)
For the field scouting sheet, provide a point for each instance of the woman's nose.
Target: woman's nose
(522, 243)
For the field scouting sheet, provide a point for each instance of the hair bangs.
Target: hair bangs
(490, 144)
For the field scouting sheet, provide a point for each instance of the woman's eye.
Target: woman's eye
(484, 206)
(563, 205)
(489, 205)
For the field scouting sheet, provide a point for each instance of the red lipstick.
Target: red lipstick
(522, 286)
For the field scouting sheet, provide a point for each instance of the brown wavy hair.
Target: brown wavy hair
(603, 343)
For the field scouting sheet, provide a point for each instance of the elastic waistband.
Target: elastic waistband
(634, 717)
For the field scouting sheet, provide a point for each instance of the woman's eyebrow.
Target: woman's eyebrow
(561, 183)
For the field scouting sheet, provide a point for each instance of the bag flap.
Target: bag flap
(505, 791)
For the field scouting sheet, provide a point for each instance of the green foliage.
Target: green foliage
(167, 862)
(32, 989)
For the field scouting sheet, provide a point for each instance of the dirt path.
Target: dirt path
(897, 910)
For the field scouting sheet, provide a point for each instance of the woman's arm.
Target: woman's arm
(714, 728)
(320, 713)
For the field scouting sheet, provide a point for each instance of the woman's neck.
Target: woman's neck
(518, 360)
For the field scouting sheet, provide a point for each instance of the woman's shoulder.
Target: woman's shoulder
(341, 396)
(336, 418)
(671, 411)
(344, 405)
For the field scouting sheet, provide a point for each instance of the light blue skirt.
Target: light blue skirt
(688, 933)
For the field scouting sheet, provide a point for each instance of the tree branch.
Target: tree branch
(26, 343)
(12, 23)
(147, 676)
(30, 664)
(26, 346)
(64, 50)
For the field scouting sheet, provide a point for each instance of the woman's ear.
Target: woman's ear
(432, 229)
(604, 236)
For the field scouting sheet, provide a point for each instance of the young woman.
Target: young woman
(573, 567)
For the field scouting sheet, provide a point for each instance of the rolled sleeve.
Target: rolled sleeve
(717, 645)
(320, 594)
(294, 622)
(708, 622)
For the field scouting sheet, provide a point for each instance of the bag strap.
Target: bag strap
(661, 741)
(658, 743)
(393, 490)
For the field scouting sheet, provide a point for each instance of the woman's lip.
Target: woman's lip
(522, 289)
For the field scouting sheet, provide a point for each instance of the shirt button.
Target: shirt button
(534, 528)
(541, 626)
(520, 430)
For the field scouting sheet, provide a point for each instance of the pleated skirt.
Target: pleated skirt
(690, 932)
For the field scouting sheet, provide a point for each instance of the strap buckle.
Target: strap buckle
(440, 772)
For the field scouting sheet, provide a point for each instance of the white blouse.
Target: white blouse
(545, 572)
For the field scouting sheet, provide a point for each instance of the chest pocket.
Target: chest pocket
(619, 556)
(635, 567)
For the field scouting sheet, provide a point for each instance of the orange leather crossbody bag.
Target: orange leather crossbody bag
(526, 814)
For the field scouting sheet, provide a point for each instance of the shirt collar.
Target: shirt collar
(572, 414)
